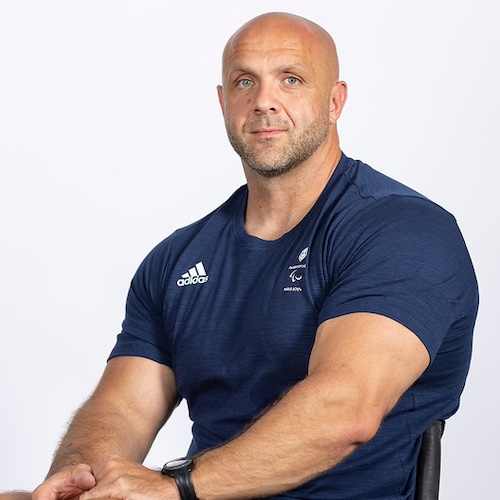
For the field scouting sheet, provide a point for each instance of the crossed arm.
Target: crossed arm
(359, 367)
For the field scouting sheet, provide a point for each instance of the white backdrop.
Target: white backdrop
(111, 137)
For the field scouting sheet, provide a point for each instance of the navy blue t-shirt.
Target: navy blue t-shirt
(235, 316)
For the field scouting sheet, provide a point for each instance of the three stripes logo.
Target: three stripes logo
(196, 275)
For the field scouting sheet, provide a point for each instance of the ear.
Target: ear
(221, 98)
(338, 98)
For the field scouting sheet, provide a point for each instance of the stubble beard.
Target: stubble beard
(272, 162)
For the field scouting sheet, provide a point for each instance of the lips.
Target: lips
(266, 130)
(264, 125)
(267, 133)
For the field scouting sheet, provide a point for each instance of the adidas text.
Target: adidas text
(196, 275)
(192, 280)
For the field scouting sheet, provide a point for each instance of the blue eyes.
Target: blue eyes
(246, 82)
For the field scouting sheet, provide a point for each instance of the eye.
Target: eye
(244, 83)
(292, 80)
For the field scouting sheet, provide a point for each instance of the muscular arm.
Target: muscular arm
(131, 403)
(360, 366)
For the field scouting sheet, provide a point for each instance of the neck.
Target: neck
(277, 204)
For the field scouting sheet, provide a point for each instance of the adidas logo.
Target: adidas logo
(195, 275)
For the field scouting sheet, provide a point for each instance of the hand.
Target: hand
(67, 484)
(121, 479)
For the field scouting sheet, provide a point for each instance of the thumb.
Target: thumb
(84, 477)
(66, 484)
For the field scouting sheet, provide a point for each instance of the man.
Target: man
(316, 323)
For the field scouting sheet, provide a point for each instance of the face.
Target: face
(276, 99)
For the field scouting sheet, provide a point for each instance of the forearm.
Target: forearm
(130, 405)
(299, 438)
(96, 432)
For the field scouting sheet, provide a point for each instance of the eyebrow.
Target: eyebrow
(286, 68)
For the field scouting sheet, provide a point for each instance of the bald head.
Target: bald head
(288, 30)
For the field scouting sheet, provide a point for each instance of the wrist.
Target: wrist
(169, 489)
(180, 471)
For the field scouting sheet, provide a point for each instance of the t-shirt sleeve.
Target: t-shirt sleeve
(405, 258)
(143, 330)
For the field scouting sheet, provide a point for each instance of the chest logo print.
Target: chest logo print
(296, 272)
(196, 275)
(303, 254)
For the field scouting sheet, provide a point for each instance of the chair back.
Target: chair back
(429, 463)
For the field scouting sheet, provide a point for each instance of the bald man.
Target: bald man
(316, 323)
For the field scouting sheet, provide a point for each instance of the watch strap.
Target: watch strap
(180, 471)
(184, 484)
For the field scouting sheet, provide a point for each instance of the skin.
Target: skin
(281, 109)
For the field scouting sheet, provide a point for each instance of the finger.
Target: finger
(66, 484)
(103, 491)
(84, 478)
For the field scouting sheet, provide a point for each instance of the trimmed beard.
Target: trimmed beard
(274, 163)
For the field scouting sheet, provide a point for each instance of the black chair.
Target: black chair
(429, 463)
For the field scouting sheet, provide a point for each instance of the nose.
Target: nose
(266, 99)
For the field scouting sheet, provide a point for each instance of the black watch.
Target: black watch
(180, 470)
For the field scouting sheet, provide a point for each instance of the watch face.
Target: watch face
(180, 463)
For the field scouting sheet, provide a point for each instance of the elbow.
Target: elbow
(359, 429)
(345, 417)
(349, 424)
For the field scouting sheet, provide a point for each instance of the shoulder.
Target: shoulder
(412, 224)
(372, 183)
(405, 213)
(182, 237)
(372, 202)
(388, 229)
(411, 230)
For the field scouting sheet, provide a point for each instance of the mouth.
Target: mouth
(267, 133)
